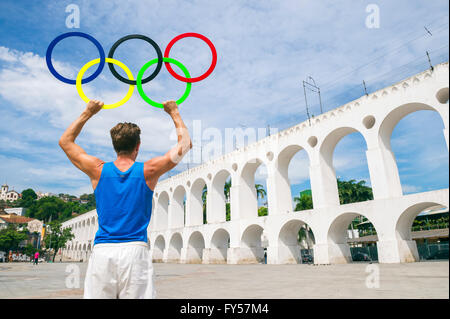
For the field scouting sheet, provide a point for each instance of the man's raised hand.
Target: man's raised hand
(170, 107)
(94, 106)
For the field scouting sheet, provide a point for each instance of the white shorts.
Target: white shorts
(120, 270)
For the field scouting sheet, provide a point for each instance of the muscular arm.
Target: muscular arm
(157, 166)
(90, 165)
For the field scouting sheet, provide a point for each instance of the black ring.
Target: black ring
(142, 37)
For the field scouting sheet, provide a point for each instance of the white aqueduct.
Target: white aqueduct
(177, 234)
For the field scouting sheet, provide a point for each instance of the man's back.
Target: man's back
(124, 204)
(120, 265)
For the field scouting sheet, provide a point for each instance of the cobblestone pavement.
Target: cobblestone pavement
(413, 280)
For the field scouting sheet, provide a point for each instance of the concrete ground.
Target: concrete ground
(412, 280)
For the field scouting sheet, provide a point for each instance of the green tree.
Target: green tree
(305, 233)
(352, 191)
(57, 238)
(262, 211)
(303, 202)
(260, 191)
(227, 212)
(28, 198)
(227, 189)
(204, 195)
(11, 237)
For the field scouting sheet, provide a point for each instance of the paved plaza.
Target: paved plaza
(409, 280)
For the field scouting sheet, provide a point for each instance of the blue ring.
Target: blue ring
(50, 48)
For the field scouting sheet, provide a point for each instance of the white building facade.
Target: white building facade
(8, 195)
(177, 233)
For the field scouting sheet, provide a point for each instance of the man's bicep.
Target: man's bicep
(159, 165)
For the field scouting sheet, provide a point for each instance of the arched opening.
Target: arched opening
(414, 134)
(295, 243)
(158, 249)
(220, 197)
(344, 164)
(220, 242)
(422, 232)
(196, 244)
(178, 207)
(175, 245)
(253, 190)
(162, 211)
(352, 171)
(197, 201)
(293, 179)
(349, 242)
(251, 245)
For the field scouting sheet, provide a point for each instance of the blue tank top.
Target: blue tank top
(124, 204)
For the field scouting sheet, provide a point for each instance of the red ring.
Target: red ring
(195, 35)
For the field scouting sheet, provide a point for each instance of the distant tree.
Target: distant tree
(204, 196)
(260, 191)
(57, 238)
(305, 233)
(227, 212)
(227, 189)
(27, 200)
(352, 191)
(11, 237)
(263, 211)
(303, 202)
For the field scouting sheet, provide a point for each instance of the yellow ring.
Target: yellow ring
(108, 60)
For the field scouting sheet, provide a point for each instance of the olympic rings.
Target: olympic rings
(108, 60)
(142, 37)
(195, 35)
(167, 60)
(48, 56)
(139, 81)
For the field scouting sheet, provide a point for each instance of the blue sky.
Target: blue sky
(265, 49)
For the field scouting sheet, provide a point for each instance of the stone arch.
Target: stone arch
(391, 120)
(387, 127)
(195, 246)
(158, 248)
(328, 182)
(195, 212)
(283, 193)
(251, 245)
(406, 245)
(289, 250)
(220, 242)
(162, 211)
(248, 201)
(177, 207)
(217, 196)
(337, 237)
(174, 249)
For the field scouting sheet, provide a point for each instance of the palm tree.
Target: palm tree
(305, 233)
(204, 193)
(227, 189)
(303, 202)
(260, 191)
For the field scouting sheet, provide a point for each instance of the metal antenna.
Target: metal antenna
(429, 61)
(312, 86)
(428, 31)
(365, 89)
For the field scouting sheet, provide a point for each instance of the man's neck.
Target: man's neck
(124, 162)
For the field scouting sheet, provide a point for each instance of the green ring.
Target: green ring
(146, 66)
